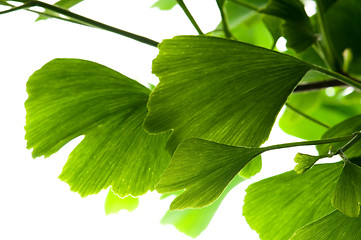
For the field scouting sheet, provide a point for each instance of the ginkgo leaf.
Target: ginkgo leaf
(214, 89)
(347, 194)
(297, 28)
(203, 169)
(69, 98)
(193, 222)
(276, 207)
(333, 226)
(305, 162)
(114, 203)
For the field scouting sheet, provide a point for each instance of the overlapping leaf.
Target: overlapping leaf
(297, 28)
(114, 204)
(193, 222)
(69, 98)
(203, 169)
(333, 226)
(276, 207)
(214, 89)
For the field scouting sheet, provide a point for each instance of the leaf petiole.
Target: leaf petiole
(306, 116)
(82, 20)
(189, 15)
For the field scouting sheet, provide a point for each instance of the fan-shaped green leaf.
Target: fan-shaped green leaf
(333, 226)
(214, 89)
(114, 204)
(347, 194)
(69, 98)
(305, 162)
(203, 169)
(193, 222)
(252, 168)
(276, 207)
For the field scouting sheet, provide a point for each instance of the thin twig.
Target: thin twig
(306, 116)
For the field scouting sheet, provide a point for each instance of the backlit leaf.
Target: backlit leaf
(305, 162)
(193, 222)
(252, 168)
(69, 98)
(213, 88)
(333, 226)
(347, 195)
(276, 207)
(114, 204)
(203, 169)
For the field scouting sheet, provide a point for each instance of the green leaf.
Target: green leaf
(347, 194)
(273, 25)
(333, 226)
(193, 222)
(114, 204)
(165, 4)
(305, 162)
(203, 169)
(252, 168)
(346, 13)
(276, 207)
(344, 128)
(229, 103)
(69, 98)
(297, 28)
(66, 4)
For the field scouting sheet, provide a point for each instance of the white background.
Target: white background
(34, 203)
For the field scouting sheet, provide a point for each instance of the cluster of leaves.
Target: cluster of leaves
(198, 133)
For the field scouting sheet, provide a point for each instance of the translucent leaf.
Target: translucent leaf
(229, 103)
(69, 98)
(347, 194)
(297, 28)
(333, 226)
(193, 222)
(203, 169)
(66, 4)
(165, 4)
(305, 162)
(114, 204)
(276, 207)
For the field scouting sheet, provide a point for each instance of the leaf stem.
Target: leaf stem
(306, 116)
(318, 85)
(83, 20)
(225, 25)
(190, 17)
(307, 143)
(354, 140)
(246, 4)
(327, 47)
(346, 79)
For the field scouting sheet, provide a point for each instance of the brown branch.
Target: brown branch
(313, 86)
